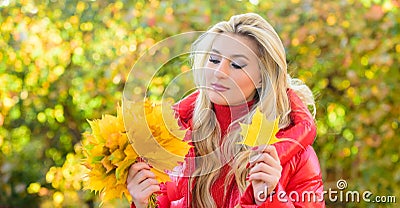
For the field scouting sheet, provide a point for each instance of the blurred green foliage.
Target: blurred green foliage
(62, 62)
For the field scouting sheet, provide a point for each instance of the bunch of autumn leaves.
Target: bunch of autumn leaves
(108, 156)
(110, 149)
(152, 134)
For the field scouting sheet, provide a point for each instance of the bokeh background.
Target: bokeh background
(65, 61)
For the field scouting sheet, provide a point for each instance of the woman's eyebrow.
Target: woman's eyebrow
(231, 56)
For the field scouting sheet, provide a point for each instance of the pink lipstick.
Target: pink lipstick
(219, 88)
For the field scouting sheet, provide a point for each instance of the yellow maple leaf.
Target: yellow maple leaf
(117, 156)
(160, 175)
(130, 152)
(155, 135)
(261, 131)
(106, 162)
(111, 190)
(121, 173)
(94, 179)
(95, 137)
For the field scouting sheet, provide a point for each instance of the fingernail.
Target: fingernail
(150, 165)
(247, 178)
(157, 192)
(254, 148)
(248, 165)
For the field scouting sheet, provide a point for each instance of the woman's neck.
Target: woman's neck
(227, 114)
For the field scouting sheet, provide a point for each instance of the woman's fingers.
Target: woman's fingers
(266, 169)
(149, 182)
(143, 175)
(266, 158)
(151, 189)
(143, 191)
(141, 183)
(143, 196)
(135, 168)
(270, 179)
(270, 149)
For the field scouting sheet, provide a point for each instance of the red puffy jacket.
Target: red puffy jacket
(300, 184)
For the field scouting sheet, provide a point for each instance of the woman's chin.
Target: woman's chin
(217, 98)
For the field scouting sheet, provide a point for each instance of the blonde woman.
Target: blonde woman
(240, 65)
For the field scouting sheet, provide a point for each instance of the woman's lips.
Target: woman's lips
(219, 88)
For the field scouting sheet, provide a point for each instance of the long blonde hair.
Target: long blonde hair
(272, 98)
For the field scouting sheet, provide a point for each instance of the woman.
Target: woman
(240, 65)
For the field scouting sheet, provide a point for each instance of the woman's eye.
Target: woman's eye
(214, 61)
(236, 66)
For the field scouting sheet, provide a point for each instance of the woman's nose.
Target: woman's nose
(222, 71)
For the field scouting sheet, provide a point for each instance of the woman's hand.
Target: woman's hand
(265, 172)
(141, 183)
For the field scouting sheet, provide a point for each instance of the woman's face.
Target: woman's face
(232, 72)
